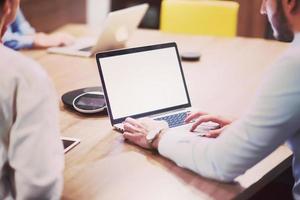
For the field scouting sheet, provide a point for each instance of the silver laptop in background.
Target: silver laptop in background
(144, 82)
(117, 28)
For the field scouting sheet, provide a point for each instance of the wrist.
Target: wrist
(156, 141)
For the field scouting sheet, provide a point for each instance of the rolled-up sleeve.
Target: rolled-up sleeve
(17, 41)
(20, 34)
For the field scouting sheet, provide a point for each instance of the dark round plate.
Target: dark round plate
(68, 97)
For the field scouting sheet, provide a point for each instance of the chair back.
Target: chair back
(199, 17)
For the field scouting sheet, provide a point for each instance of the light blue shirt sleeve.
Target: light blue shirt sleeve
(272, 119)
(19, 34)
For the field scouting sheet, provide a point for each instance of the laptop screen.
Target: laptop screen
(142, 81)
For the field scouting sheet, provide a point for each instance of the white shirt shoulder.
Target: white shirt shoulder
(31, 151)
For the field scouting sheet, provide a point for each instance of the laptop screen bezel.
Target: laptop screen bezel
(137, 50)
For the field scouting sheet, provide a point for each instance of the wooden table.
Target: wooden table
(105, 167)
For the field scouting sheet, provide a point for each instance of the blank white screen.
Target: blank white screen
(142, 82)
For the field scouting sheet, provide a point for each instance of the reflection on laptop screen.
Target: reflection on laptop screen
(145, 81)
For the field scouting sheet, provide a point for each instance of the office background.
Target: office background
(47, 16)
(92, 12)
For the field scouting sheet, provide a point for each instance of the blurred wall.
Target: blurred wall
(97, 11)
(251, 23)
(47, 15)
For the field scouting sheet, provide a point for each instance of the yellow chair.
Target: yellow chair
(201, 17)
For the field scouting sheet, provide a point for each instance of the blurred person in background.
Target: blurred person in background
(21, 35)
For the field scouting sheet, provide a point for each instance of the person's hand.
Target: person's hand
(137, 130)
(201, 117)
(42, 40)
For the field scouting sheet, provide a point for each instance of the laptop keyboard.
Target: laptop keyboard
(86, 49)
(174, 120)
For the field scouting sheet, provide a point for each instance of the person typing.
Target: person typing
(21, 35)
